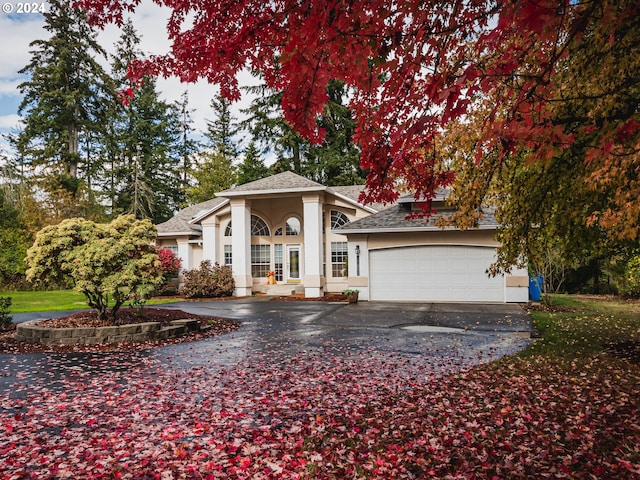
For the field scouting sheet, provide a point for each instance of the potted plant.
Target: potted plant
(352, 295)
(271, 278)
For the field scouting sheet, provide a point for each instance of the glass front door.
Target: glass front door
(293, 263)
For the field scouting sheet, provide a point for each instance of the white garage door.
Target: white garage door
(434, 273)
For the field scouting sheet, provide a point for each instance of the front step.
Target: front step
(280, 289)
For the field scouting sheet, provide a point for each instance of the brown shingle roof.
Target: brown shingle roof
(395, 218)
(280, 181)
(179, 223)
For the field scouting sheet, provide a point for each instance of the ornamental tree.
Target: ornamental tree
(109, 263)
(558, 73)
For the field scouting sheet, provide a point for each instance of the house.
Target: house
(319, 239)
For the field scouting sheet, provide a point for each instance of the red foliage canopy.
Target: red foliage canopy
(412, 66)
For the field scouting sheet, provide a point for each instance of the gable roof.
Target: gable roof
(180, 223)
(395, 219)
(284, 182)
(186, 221)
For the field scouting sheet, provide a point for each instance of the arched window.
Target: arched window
(338, 219)
(278, 232)
(258, 228)
(292, 227)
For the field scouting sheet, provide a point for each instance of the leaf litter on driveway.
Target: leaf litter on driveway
(334, 410)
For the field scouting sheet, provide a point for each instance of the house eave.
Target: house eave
(178, 234)
(345, 231)
(354, 202)
(208, 212)
(251, 193)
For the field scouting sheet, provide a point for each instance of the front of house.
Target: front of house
(319, 239)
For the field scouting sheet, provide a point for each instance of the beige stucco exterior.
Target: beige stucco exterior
(223, 231)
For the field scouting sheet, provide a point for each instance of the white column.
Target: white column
(312, 275)
(184, 252)
(210, 243)
(241, 246)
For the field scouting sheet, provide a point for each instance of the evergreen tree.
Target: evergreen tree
(144, 166)
(337, 160)
(334, 162)
(187, 146)
(267, 126)
(214, 174)
(66, 97)
(222, 129)
(253, 167)
(215, 170)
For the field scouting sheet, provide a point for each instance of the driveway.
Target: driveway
(434, 336)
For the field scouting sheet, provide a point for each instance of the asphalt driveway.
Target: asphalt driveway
(433, 335)
(475, 333)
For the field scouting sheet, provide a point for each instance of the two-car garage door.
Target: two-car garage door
(446, 273)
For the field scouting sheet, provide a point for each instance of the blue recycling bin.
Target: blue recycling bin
(535, 287)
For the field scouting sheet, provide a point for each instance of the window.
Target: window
(338, 219)
(339, 257)
(228, 257)
(258, 228)
(292, 227)
(278, 232)
(260, 260)
(173, 248)
(278, 263)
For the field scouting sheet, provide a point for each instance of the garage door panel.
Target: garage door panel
(434, 273)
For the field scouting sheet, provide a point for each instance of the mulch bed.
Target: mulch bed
(209, 327)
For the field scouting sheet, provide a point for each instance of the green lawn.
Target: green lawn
(584, 326)
(53, 300)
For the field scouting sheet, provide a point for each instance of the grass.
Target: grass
(54, 300)
(584, 327)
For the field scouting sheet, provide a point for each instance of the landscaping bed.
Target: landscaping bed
(208, 327)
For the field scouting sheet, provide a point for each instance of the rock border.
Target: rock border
(33, 332)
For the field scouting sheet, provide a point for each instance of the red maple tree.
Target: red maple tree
(413, 66)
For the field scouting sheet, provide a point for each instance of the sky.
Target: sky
(18, 29)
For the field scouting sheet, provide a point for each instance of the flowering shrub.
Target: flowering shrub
(170, 263)
(208, 281)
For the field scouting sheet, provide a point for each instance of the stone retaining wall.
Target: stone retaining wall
(33, 332)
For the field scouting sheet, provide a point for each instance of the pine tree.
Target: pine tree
(253, 167)
(216, 170)
(143, 177)
(65, 98)
(334, 162)
(187, 146)
(221, 131)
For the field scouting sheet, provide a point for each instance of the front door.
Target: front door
(293, 263)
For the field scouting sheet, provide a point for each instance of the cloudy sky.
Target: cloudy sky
(17, 30)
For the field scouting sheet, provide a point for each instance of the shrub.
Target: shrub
(5, 318)
(116, 261)
(629, 284)
(208, 281)
(170, 265)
